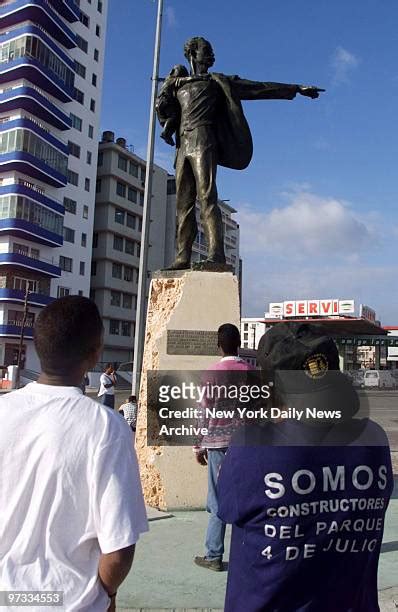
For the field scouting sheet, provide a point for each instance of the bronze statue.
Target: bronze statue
(204, 111)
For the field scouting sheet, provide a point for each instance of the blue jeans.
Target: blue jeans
(216, 528)
(108, 400)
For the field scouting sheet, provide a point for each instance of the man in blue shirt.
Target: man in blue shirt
(306, 490)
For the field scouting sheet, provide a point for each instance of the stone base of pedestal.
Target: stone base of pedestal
(180, 306)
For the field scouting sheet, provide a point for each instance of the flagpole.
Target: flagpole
(139, 338)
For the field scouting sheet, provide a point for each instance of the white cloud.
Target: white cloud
(171, 19)
(310, 226)
(343, 62)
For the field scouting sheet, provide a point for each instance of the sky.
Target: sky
(317, 206)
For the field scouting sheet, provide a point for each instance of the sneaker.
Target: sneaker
(211, 564)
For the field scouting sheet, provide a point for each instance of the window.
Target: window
(94, 80)
(89, 158)
(143, 173)
(73, 177)
(119, 216)
(35, 253)
(117, 270)
(140, 224)
(126, 328)
(81, 43)
(77, 123)
(98, 186)
(100, 159)
(129, 247)
(138, 249)
(95, 240)
(127, 300)
(133, 169)
(23, 284)
(97, 30)
(84, 240)
(65, 263)
(92, 105)
(142, 198)
(118, 243)
(85, 19)
(171, 187)
(131, 221)
(99, 6)
(91, 131)
(87, 184)
(132, 195)
(63, 292)
(96, 55)
(69, 235)
(74, 149)
(121, 189)
(85, 212)
(128, 274)
(114, 327)
(115, 298)
(82, 268)
(80, 292)
(93, 269)
(70, 205)
(78, 95)
(80, 69)
(122, 163)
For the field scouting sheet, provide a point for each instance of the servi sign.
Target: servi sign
(312, 308)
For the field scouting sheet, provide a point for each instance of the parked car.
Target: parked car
(379, 379)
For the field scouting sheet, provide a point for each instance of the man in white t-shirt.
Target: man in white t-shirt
(106, 391)
(71, 503)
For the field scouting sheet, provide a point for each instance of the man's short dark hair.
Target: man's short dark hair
(66, 333)
(192, 44)
(132, 398)
(229, 338)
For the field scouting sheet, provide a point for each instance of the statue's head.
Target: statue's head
(199, 54)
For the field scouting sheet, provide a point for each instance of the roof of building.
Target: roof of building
(339, 326)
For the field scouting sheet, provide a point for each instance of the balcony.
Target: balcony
(35, 102)
(34, 56)
(68, 9)
(16, 296)
(30, 231)
(41, 13)
(14, 331)
(20, 260)
(33, 151)
(29, 190)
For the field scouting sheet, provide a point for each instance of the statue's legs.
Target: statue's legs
(186, 216)
(196, 171)
(204, 166)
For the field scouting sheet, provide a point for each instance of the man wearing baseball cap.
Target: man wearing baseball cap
(307, 488)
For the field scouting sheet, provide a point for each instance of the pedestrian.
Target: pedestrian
(129, 411)
(70, 497)
(212, 448)
(306, 493)
(85, 382)
(106, 392)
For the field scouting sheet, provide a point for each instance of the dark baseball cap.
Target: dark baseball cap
(303, 362)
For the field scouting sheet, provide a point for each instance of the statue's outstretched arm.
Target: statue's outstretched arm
(259, 90)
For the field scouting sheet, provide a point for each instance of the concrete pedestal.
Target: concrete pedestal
(186, 301)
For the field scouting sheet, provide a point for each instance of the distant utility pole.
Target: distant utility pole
(139, 339)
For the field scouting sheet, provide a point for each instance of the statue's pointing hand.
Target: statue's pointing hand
(309, 91)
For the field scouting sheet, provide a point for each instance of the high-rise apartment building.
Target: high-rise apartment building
(117, 240)
(51, 67)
